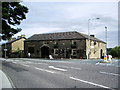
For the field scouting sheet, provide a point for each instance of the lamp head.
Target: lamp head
(97, 18)
(105, 27)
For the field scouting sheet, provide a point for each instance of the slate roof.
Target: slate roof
(9, 42)
(61, 36)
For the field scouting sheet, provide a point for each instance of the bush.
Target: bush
(115, 52)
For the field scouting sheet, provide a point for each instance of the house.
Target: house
(64, 45)
(14, 47)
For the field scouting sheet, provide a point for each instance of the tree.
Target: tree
(12, 15)
(115, 52)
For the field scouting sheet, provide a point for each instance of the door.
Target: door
(101, 54)
(45, 52)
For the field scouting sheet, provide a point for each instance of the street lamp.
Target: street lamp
(5, 49)
(106, 38)
(89, 35)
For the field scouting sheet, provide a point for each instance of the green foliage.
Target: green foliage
(12, 14)
(115, 52)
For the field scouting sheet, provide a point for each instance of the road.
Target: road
(38, 73)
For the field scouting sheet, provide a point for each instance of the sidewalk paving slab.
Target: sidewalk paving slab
(4, 81)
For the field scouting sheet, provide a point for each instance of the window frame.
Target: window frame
(55, 51)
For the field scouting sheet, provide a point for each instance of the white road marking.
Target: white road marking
(89, 83)
(36, 63)
(41, 63)
(25, 65)
(97, 63)
(14, 62)
(28, 62)
(44, 70)
(63, 66)
(75, 68)
(69, 67)
(52, 67)
(109, 73)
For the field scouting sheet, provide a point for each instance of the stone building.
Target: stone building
(64, 45)
(14, 47)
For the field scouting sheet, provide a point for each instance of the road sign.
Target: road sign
(5, 49)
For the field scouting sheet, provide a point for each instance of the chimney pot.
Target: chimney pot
(92, 35)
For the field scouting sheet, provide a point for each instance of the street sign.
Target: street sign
(5, 49)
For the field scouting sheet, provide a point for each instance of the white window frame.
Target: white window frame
(55, 51)
(73, 52)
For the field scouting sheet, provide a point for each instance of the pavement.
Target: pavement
(39, 73)
(4, 81)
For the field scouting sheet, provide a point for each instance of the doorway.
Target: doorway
(45, 52)
(101, 54)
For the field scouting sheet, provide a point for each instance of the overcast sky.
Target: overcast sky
(48, 17)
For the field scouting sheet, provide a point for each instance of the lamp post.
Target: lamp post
(89, 36)
(5, 49)
(106, 38)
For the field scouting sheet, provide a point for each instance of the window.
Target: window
(55, 44)
(95, 42)
(62, 51)
(31, 49)
(45, 43)
(73, 42)
(74, 52)
(37, 52)
(56, 51)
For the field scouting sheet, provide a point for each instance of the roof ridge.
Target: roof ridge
(62, 35)
(54, 33)
(83, 35)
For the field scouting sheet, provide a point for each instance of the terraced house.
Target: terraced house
(14, 47)
(64, 45)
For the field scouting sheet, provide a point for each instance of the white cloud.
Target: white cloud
(36, 30)
(71, 0)
(45, 17)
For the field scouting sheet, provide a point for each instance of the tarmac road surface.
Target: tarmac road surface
(38, 73)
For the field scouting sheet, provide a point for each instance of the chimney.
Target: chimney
(92, 35)
(12, 39)
(18, 36)
(21, 36)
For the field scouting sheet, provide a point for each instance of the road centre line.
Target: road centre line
(102, 86)
(109, 73)
(14, 62)
(63, 66)
(76, 68)
(44, 70)
(25, 65)
(27, 62)
(52, 67)
(36, 63)
(69, 67)
(41, 63)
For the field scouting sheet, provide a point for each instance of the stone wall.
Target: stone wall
(97, 49)
(63, 47)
